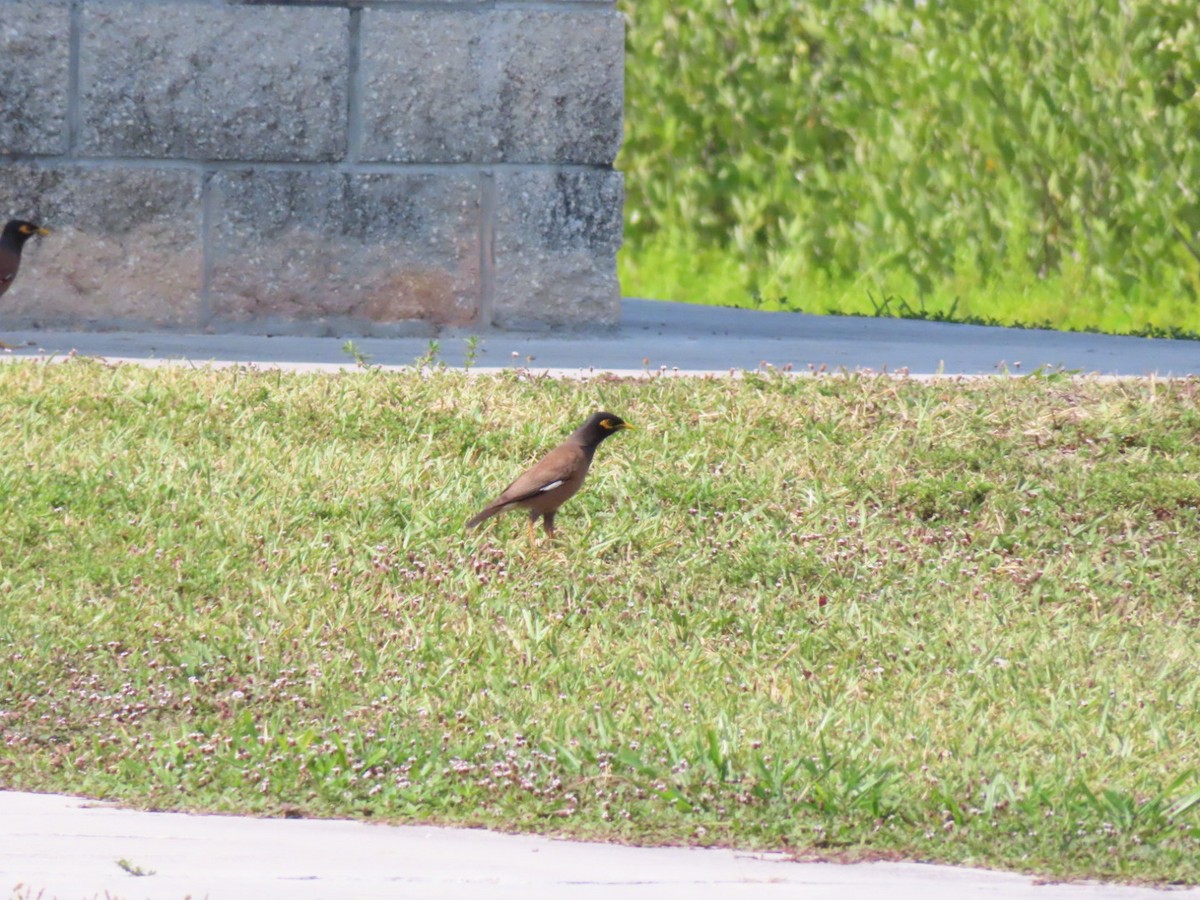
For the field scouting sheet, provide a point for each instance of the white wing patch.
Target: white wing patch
(549, 487)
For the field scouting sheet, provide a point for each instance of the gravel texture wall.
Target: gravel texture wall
(312, 166)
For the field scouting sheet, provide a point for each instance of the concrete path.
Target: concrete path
(653, 336)
(62, 847)
(66, 848)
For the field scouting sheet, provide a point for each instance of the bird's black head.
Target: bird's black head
(18, 231)
(600, 425)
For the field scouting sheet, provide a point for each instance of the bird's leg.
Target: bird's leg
(533, 517)
(548, 524)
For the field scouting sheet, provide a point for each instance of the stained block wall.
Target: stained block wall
(322, 166)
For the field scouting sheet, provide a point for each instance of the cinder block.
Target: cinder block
(344, 251)
(33, 75)
(539, 86)
(555, 248)
(424, 95)
(561, 86)
(125, 249)
(200, 81)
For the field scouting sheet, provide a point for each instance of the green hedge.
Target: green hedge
(951, 145)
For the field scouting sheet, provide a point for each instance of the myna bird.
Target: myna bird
(16, 233)
(557, 476)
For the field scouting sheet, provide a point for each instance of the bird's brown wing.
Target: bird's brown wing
(9, 262)
(561, 465)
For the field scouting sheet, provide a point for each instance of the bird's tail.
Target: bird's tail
(483, 516)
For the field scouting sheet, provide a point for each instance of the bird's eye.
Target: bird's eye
(607, 423)
(25, 229)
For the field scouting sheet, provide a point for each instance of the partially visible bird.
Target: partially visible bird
(16, 233)
(554, 479)
(12, 241)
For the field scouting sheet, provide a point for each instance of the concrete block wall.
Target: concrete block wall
(313, 166)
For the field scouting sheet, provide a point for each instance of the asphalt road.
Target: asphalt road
(655, 336)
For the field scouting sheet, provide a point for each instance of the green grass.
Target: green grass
(673, 267)
(842, 616)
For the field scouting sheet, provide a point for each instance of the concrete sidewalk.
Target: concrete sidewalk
(60, 847)
(653, 336)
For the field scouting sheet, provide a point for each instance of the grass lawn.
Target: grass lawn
(846, 616)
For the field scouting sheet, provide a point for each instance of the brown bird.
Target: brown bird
(557, 476)
(16, 233)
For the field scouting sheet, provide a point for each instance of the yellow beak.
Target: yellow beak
(43, 231)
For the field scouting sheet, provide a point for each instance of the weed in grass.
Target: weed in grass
(134, 870)
(946, 620)
(361, 359)
(431, 357)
